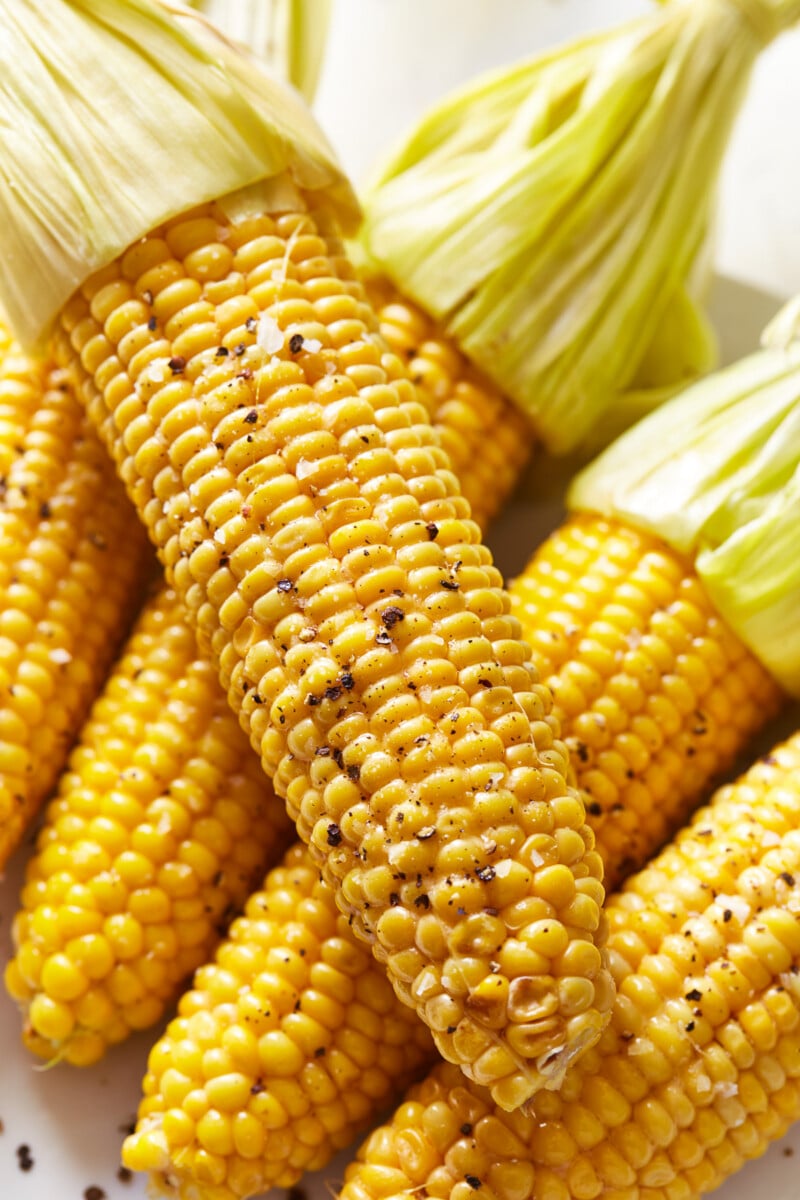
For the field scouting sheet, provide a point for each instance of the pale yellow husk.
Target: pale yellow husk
(716, 474)
(115, 117)
(287, 35)
(549, 213)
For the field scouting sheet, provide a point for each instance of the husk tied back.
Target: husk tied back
(716, 474)
(552, 214)
(77, 182)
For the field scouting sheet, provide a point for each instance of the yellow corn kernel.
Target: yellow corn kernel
(313, 527)
(74, 562)
(679, 1091)
(339, 1007)
(655, 695)
(488, 438)
(161, 769)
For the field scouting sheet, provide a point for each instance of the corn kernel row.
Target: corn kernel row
(162, 825)
(72, 567)
(283, 1050)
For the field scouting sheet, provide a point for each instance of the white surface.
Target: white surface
(388, 58)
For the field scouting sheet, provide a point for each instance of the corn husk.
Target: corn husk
(716, 474)
(550, 213)
(287, 35)
(115, 117)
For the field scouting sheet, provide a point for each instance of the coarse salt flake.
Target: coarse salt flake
(60, 656)
(269, 336)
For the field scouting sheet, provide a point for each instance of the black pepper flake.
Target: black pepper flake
(296, 343)
(251, 324)
(177, 364)
(485, 682)
(224, 559)
(284, 585)
(426, 832)
(312, 701)
(338, 758)
(694, 994)
(473, 1182)
(466, 1129)
(251, 417)
(323, 751)
(690, 1027)
(319, 1052)
(394, 898)
(24, 1159)
(152, 324)
(334, 835)
(94, 1193)
(258, 700)
(422, 901)
(124, 1175)
(450, 584)
(354, 771)
(239, 350)
(594, 809)
(787, 878)
(485, 874)
(258, 1087)
(221, 352)
(333, 693)
(433, 530)
(451, 1028)
(347, 681)
(392, 616)
(382, 638)
(45, 512)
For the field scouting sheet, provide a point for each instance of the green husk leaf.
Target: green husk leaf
(716, 474)
(550, 214)
(115, 117)
(287, 35)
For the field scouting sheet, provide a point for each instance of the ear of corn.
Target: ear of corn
(487, 438)
(551, 214)
(74, 560)
(313, 526)
(656, 696)
(699, 1069)
(162, 824)
(284, 1049)
(716, 474)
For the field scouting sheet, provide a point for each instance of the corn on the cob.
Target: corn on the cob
(655, 694)
(286, 469)
(285, 1048)
(73, 561)
(312, 524)
(162, 824)
(489, 440)
(700, 1067)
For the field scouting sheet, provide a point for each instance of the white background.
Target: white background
(388, 59)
